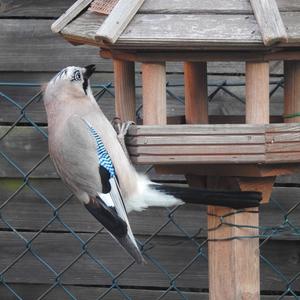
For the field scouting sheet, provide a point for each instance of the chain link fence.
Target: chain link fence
(52, 249)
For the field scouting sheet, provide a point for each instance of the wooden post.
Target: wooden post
(154, 93)
(257, 112)
(124, 90)
(234, 264)
(196, 106)
(292, 91)
(195, 89)
(257, 93)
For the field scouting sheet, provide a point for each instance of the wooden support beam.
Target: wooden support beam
(255, 184)
(269, 20)
(196, 105)
(201, 56)
(195, 89)
(228, 170)
(292, 91)
(234, 264)
(257, 93)
(69, 15)
(124, 76)
(118, 20)
(154, 93)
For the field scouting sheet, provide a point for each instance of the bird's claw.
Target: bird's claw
(121, 127)
(116, 122)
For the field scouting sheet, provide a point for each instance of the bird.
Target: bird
(91, 160)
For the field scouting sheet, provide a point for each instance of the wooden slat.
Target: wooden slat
(37, 8)
(174, 30)
(118, 19)
(288, 5)
(201, 139)
(205, 159)
(25, 146)
(69, 15)
(60, 249)
(270, 22)
(20, 213)
(196, 7)
(241, 170)
(33, 291)
(221, 119)
(291, 21)
(283, 137)
(83, 29)
(283, 128)
(209, 6)
(284, 147)
(198, 150)
(200, 56)
(34, 8)
(49, 53)
(284, 157)
(191, 56)
(224, 129)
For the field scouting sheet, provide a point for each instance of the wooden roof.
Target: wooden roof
(188, 24)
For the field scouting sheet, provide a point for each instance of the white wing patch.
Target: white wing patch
(106, 198)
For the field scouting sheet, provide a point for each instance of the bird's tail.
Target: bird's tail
(118, 228)
(146, 196)
(127, 243)
(232, 199)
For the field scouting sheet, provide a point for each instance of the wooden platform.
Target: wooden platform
(213, 144)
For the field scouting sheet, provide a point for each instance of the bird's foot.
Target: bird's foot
(122, 129)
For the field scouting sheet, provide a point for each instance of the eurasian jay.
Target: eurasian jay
(90, 159)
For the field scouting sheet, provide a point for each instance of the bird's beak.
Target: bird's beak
(89, 70)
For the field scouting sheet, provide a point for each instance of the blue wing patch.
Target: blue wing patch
(103, 156)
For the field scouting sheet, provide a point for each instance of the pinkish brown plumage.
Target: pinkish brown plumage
(90, 159)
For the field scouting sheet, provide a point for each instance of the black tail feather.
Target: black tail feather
(232, 199)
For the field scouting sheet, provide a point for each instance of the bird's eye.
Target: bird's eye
(76, 76)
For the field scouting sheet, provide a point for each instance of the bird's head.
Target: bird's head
(74, 78)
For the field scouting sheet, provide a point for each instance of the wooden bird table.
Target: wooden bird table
(236, 156)
(241, 156)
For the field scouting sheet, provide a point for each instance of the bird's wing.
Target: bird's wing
(76, 158)
(111, 194)
(91, 169)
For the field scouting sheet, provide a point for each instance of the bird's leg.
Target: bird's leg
(122, 129)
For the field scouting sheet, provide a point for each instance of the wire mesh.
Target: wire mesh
(48, 241)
